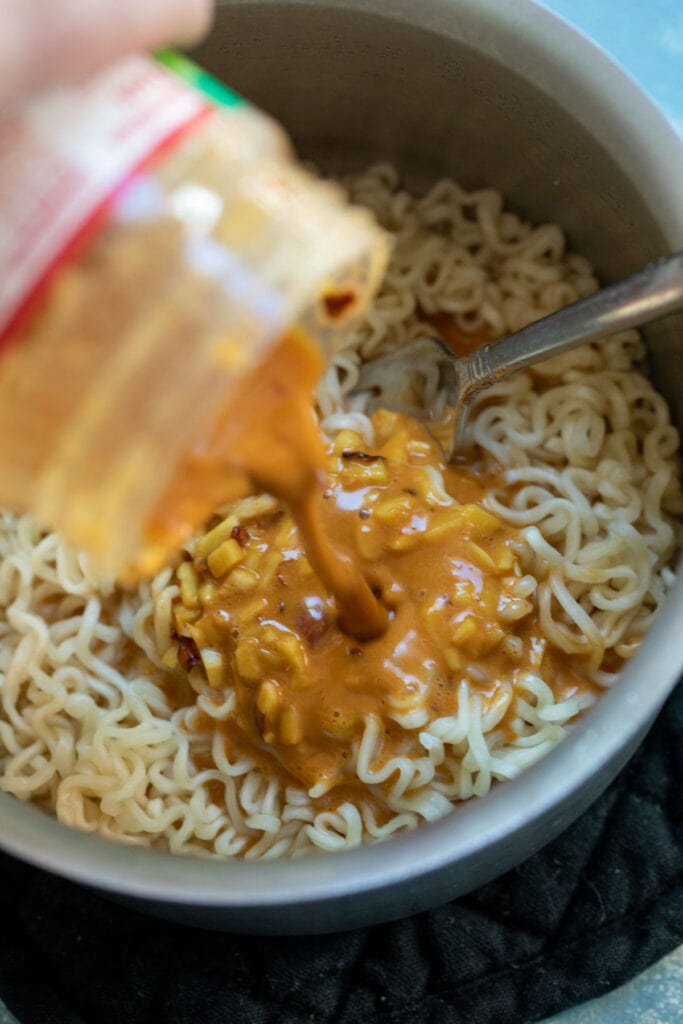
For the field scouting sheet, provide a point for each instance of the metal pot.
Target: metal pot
(488, 92)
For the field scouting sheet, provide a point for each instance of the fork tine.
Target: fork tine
(391, 380)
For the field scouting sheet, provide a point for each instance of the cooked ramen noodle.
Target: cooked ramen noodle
(220, 710)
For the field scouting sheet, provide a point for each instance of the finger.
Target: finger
(43, 42)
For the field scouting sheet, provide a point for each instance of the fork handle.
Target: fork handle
(639, 299)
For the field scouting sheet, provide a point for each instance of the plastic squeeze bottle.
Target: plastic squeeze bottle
(157, 242)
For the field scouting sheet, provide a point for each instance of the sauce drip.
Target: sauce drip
(269, 438)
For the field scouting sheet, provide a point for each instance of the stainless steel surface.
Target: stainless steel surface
(639, 299)
(488, 92)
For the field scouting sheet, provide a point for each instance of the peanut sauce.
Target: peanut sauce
(460, 342)
(268, 438)
(265, 626)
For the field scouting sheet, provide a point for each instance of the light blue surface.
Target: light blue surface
(654, 997)
(644, 36)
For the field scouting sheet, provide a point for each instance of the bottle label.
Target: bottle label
(65, 156)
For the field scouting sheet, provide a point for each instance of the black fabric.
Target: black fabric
(594, 908)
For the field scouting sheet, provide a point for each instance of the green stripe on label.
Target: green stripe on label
(199, 78)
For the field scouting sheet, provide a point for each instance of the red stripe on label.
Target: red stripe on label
(92, 224)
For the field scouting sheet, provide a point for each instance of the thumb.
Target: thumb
(45, 42)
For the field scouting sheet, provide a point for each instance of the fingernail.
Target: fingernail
(182, 21)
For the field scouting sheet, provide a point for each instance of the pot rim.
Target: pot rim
(599, 94)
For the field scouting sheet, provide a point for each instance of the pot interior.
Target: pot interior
(353, 84)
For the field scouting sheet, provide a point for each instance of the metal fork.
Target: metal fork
(639, 299)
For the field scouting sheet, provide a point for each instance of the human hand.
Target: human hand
(45, 42)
